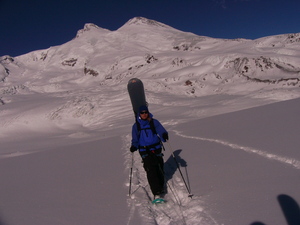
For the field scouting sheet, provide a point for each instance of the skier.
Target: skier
(147, 134)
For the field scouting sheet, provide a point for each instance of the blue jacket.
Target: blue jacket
(146, 137)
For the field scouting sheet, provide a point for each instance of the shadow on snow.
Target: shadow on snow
(175, 163)
(290, 209)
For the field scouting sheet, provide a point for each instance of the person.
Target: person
(147, 134)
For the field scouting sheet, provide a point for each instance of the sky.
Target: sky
(31, 25)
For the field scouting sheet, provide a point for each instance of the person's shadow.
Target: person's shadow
(174, 163)
(170, 164)
(290, 209)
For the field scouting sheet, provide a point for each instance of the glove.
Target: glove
(165, 136)
(133, 148)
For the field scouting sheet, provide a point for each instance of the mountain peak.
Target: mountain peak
(145, 21)
(89, 27)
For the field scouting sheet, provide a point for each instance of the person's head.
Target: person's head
(144, 112)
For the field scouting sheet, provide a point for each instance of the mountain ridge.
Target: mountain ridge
(169, 59)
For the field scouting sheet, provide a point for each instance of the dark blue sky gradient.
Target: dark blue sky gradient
(29, 25)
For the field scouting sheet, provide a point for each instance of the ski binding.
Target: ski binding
(158, 201)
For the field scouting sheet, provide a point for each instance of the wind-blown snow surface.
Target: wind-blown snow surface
(231, 107)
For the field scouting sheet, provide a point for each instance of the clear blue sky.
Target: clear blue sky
(28, 25)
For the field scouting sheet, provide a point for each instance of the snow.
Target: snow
(231, 108)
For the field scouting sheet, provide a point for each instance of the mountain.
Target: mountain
(169, 60)
(151, 48)
(230, 106)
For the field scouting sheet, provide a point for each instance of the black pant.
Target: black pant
(154, 167)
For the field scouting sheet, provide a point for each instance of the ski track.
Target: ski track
(179, 208)
(286, 160)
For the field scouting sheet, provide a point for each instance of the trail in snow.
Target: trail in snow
(286, 160)
(15, 154)
(179, 208)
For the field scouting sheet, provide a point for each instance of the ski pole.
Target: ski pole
(130, 174)
(177, 164)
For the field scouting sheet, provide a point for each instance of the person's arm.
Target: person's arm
(135, 138)
(161, 131)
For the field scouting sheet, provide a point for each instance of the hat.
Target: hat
(143, 108)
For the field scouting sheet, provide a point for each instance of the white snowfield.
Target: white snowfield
(231, 108)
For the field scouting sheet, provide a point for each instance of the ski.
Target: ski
(136, 92)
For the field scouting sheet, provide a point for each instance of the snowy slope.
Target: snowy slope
(66, 120)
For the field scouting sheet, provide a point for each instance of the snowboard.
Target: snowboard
(136, 92)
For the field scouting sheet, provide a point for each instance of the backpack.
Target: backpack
(152, 127)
